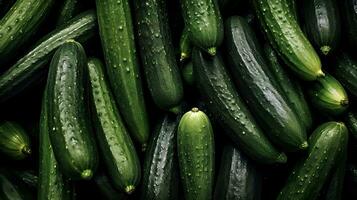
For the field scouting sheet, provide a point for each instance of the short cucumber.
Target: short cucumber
(187, 74)
(160, 166)
(195, 147)
(30, 68)
(117, 36)
(346, 71)
(14, 141)
(68, 119)
(185, 46)
(238, 177)
(327, 144)
(288, 39)
(117, 148)
(156, 50)
(67, 11)
(351, 122)
(217, 88)
(350, 21)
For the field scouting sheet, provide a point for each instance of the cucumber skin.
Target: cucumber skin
(29, 69)
(117, 37)
(346, 71)
(287, 38)
(351, 123)
(70, 131)
(259, 88)
(195, 138)
(117, 148)
(187, 74)
(20, 23)
(219, 92)
(327, 144)
(160, 166)
(156, 50)
(185, 46)
(67, 11)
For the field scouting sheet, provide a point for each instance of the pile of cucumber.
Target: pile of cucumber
(183, 99)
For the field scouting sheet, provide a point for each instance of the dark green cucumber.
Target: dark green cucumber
(52, 184)
(20, 23)
(259, 88)
(68, 119)
(185, 46)
(156, 50)
(237, 178)
(204, 23)
(287, 38)
(13, 189)
(327, 144)
(290, 87)
(349, 12)
(117, 36)
(106, 188)
(322, 24)
(67, 11)
(327, 94)
(30, 68)
(351, 123)
(218, 90)
(346, 71)
(187, 74)
(293, 8)
(117, 148)
(14, 141)
(160, 166)
(195, 147)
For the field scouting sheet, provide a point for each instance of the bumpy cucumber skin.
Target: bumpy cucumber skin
(117, 148)
(223, 100)
(346, 72)
(14, 141)
(351, 123)
(117, 36)
(67, 11)
(350, 20)
(237, 177)
(160, 166)
(30, 68)
(185, 46)
(287, 38)
(156, 50)
(259, 88)
(69, 121)
(204, 23)
(327, 144)
(195, 147)
(20, 23)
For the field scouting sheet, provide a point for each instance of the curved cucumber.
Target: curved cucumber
(346, 72)
(351, 123)
(185, 46)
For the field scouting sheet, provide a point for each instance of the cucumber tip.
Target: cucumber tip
(129, 189)
(282, 158)
(212, 51)
(183, 57)
(195, 109)
(344, 102)
(87, 174)
(325, 50)
(26, 150)
(175, 110)
(304, 145)
(320, 74)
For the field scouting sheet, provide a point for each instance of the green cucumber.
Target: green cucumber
(187, 74)
(160, 166)
(14, 141)
(31, 67)
(293, 8)
(20, 23)
(204, 23)
(287, 38)
(157, 55)
(238, 177)
(350, 21)
(68, 119)
(327, 144)
(13, 189)
(328, 95)
(217, 88)
(290, 87)
(185, 46)
(67, 11)
(346, 71)
(106, 188)
(195, 147)
(52, 184)
(117, 36)
(259, 88)
(351, 123)
(117, 148)
(322, 24)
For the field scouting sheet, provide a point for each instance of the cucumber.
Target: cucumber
(322, 24)
(185, 46)
(117, 149)
(105, 187)
(14, 141)
(287, 38)
(351, 122)
(346, 71)
(52, 184)
(20, 23)
(117, 36)
(27, 176)
(68, 9)
(290, 87)
(195, 147)
(327, 144)
(238, 177)
(160, 166)
(259, 88)
(293, 9)
(68, 119)
(350, 21)
(204, 23)
(218, 91)
(29, 69)
(162, 74)
(13, 189)
(187, 74)
(328, 95)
